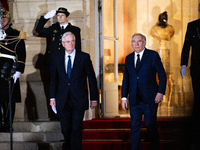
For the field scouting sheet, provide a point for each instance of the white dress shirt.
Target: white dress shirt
(72, 58)
(64, 26)
(141, 54)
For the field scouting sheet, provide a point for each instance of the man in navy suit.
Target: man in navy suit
(139, 81)
(69, 90)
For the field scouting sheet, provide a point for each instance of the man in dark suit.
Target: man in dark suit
(56, 30)
(192, 39)
(69, 90)
(139, 81)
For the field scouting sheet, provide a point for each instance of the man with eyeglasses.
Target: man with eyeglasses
(69, 90)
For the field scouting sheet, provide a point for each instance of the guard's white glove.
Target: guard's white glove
(16, 76)
(50, 14)
(183, 70)
(2, 34)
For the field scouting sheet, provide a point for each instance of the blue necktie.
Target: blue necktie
(69, 69)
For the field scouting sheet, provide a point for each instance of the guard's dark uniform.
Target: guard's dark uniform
(12, 49)
(55, 34)
(12, 45)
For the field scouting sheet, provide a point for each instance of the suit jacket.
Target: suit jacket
(54, 35)
(145, 79)
(82, 72)
(192, 38)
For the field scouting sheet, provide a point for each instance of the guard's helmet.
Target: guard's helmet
(4, 13)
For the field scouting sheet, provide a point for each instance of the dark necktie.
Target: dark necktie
(69, 69)
(138, 62)
(62, 28)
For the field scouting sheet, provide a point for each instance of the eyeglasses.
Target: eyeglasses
(73, 41)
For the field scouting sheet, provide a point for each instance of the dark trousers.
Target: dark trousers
(196, 90)
(5, 116)
(71, 125)
(196, 110)
(150, 115)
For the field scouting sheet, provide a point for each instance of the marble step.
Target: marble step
(31, 145)
(24, 126)
(32, 137)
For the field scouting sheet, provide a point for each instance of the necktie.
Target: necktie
(138, 62)
(62, 28)
(69, 69)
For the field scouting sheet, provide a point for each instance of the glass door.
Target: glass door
(109, 61)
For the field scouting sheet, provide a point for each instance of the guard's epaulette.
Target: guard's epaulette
(22, 35)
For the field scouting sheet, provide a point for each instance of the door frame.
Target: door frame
(99, 57)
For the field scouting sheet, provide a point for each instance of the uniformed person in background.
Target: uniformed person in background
(55, 32)
(12, 55)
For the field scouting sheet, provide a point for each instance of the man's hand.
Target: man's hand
(159, 98)
(53, 102)
(124, 104)
(50, 14)
(183, 70)
(16, 76)
(93, 104)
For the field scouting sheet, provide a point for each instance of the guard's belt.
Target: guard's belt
(7, 56)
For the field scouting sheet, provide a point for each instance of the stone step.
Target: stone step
(24, 126)
(31, 145)
(32, 137)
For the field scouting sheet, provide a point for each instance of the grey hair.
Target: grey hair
(67, 33)
(143, 37)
